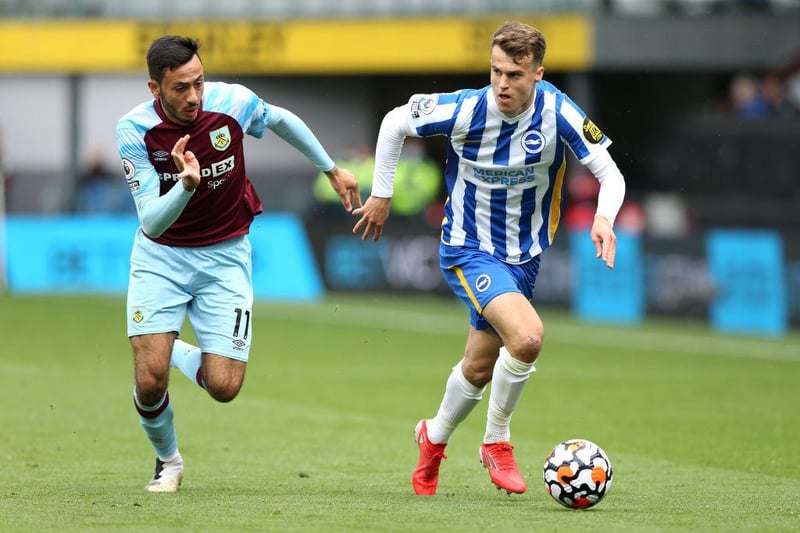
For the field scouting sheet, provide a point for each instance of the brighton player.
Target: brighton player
(504, 174)
(183, 159)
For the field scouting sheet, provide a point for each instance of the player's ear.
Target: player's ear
(154, 90)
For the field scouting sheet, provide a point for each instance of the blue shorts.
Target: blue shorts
(477, 277)
(212, 284)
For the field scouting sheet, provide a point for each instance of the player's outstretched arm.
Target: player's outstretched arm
(293, 130)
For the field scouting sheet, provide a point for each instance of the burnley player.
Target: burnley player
(183, 159)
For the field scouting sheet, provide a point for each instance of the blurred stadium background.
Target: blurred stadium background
(701, 98)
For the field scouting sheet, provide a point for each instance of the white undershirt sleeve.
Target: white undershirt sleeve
(393, 132)
(612, 186)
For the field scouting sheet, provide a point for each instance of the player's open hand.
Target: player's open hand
(373, 214)
(187, 163)
(604, 239)
(346, 186)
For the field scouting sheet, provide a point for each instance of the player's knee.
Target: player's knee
(223, 392)
(222, 377)
(477, 372)
(150, 388)
(526, 348)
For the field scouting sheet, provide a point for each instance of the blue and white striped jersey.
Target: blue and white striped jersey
(504, 176)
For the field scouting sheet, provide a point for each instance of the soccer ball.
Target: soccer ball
(577, 473)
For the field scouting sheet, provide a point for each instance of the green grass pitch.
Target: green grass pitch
(703, 430)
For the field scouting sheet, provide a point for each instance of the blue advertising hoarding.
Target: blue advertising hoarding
(90, 254)
(747, 270)
(601, 294)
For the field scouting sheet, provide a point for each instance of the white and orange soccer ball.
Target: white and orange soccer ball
(577, 473)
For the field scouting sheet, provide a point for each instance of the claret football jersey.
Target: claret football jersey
(225, 202)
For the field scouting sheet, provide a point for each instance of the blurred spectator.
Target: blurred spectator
(791, 83)
(581, 200)
(5, 179)
(774, 93)
(416, 183)
(2, 181)
(581, 205)
(100, 191)
(667, 215)
(745, 98)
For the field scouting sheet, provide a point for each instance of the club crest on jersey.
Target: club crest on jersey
(591, 132)
(221, 138)
(533, 142)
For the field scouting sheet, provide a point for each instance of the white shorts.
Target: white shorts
(213, 284)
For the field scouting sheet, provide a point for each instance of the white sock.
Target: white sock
(508, 380)
(187, 359)
(460, 397)
(175, 458)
